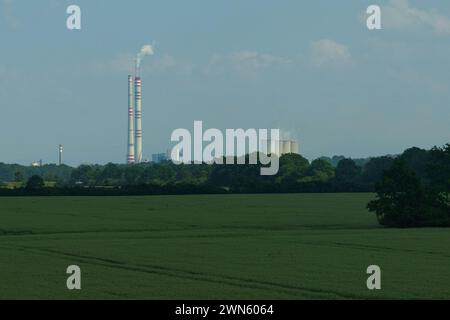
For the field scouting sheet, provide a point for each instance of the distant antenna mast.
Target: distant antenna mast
(60, 148)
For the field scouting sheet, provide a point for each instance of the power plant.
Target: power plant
(135, 136)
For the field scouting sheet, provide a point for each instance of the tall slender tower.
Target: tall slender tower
(138, 117)
(60, 154)
(130, 156)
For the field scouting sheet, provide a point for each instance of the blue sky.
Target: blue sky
(310, 68)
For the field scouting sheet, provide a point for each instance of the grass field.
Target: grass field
(306, 246)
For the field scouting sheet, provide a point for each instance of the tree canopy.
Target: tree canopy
(35, 183)
(414, 191)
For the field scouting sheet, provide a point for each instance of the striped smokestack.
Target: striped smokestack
(138, 117)
(130, 156)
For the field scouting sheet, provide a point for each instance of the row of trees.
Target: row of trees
(20, 174)
(296, 174)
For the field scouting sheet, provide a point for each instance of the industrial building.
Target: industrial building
(172, 155)
(36, 164)
(159, 157)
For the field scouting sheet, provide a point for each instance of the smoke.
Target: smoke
(146, 50)
(288, 134)
(7, 13)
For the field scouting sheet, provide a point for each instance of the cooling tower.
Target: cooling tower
(285, 147)
(294, 147)
(130, 156)
(138, 117)
(275, 147)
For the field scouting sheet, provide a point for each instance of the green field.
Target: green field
(303, 246)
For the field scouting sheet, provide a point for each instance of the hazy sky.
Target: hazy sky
(310, 68)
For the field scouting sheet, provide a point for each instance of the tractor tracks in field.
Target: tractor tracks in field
(197, 232)
(217, 279)
(223, 231)
(224, 227)
(365, 247)
(142, 234)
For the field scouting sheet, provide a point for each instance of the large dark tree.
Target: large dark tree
(320, 170)
(85, 174)
(134, 175)
(347, 171)
(418, 160)
(439, 170)
(403, 202)
(292, 168)
(373, 170)
(35, 183)
(110, 174)
(400, 197)
(18, 176)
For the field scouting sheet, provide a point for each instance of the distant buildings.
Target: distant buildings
(36, 164)
(159, 157)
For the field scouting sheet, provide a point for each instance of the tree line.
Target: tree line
(412, 188)
(296, 174)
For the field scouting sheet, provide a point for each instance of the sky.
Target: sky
(309, 68)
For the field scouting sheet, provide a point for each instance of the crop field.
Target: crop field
(299, 246)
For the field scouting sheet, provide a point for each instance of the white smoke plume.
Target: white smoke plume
(146, 50)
